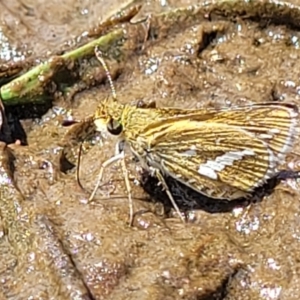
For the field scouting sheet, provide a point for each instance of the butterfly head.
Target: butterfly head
(108, 116)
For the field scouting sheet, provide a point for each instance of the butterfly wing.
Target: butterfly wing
(228, 155)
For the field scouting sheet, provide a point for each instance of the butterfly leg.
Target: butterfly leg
(128, 188)
(120, 149)
(119, 156)
(166, 188)
(104, 165)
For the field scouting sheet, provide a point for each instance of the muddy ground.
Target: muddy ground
(55, 245)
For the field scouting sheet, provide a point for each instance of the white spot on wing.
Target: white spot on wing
(191, 152)
(265, 136)
(274, 131)
(210, 168)
(208, 172)
(248, 152)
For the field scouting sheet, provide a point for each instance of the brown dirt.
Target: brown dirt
(56, 246)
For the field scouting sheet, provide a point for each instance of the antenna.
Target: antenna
(78, 168)
(99, 56)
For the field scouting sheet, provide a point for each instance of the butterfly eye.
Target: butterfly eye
(114, 127)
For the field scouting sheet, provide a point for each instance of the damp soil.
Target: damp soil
(55, 245)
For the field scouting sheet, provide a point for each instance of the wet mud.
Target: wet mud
(56, 245)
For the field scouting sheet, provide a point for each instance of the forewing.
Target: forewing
(235, 151)
(276, 124)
